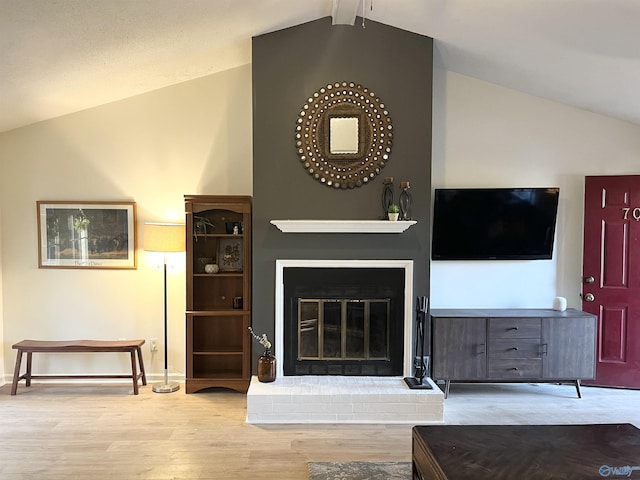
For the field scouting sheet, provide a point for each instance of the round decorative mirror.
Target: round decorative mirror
(344, 135)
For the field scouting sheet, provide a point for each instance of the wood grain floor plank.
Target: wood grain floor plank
(96, 432)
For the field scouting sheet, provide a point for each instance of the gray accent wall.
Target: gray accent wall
(288, 66)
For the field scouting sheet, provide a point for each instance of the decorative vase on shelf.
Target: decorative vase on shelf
(266, 367)
(211, 268)
(405, 201)
(387, 194)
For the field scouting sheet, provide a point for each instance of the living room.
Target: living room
(196, 137)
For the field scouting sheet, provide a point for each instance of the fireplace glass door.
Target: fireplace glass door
(345, 329)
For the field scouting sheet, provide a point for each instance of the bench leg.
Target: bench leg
(16, 373)
(144, 375)
(28, 374)
(134, 373)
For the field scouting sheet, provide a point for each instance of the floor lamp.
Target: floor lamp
(164, 238)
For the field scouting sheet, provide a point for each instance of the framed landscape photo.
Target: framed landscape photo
(87, 235)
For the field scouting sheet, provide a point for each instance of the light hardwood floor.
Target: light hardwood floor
(96, 432)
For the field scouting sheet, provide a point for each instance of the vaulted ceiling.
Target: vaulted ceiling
(62, 56)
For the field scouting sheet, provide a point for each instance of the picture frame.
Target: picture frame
(230, 254)
(87, 235)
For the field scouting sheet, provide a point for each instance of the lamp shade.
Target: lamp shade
(164, 237)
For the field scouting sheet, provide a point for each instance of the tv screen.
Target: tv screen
(494, 223)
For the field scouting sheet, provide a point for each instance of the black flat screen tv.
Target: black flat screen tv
(494, 223)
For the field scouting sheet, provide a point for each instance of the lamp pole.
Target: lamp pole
(164, 238)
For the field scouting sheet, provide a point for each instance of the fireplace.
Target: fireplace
(343, 321)
(337, 398)
(343, 317)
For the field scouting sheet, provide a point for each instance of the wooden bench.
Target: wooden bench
(31, 346)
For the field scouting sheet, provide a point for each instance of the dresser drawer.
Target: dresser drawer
(514, 348)
(514, 328)
(501, 368)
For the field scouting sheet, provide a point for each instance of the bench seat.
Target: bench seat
(133, 347)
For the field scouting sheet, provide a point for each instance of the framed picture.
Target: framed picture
(87, 235)
(230, 254)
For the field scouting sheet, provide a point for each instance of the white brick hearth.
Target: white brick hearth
(336, 399)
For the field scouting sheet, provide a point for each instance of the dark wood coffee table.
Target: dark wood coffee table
(531, 452)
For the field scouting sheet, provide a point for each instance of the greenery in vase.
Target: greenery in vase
(393, 208)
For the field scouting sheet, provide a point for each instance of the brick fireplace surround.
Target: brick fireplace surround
(342, 399)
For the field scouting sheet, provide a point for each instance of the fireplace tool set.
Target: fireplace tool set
(419, 364)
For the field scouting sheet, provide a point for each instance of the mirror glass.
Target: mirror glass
(343, 135)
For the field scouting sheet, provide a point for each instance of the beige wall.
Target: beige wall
(192, 138)
(196, 138)
(2, 370)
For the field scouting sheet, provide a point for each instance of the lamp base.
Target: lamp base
(166, 387)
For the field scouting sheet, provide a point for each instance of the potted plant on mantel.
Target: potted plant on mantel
(393, 212)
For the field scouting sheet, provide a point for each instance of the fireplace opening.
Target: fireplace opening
(343, 321)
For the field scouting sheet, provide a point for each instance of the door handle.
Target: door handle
(589, 297)
(589, 279)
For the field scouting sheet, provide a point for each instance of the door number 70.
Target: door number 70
(635, 213)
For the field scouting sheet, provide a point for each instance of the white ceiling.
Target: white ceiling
(62, 56)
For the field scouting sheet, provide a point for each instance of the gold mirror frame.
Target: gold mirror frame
(313, 135)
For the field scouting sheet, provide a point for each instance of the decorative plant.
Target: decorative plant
(393, 208)
(263, 340)
(200, 225)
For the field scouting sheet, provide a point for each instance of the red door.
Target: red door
(611, 276)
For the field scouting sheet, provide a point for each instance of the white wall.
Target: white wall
(488, 136)
(196, 138)
(192, 138)
(1, 302)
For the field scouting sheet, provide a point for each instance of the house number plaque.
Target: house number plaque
(631, 212)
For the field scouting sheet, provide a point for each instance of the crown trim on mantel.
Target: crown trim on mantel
(342, 226)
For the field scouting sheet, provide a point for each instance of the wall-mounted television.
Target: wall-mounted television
(494, 223)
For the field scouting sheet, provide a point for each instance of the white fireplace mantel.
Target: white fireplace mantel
(406, 265)
(342, 226)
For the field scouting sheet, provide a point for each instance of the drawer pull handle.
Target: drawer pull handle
(513, 348)
(515, 369)
(513, 328)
